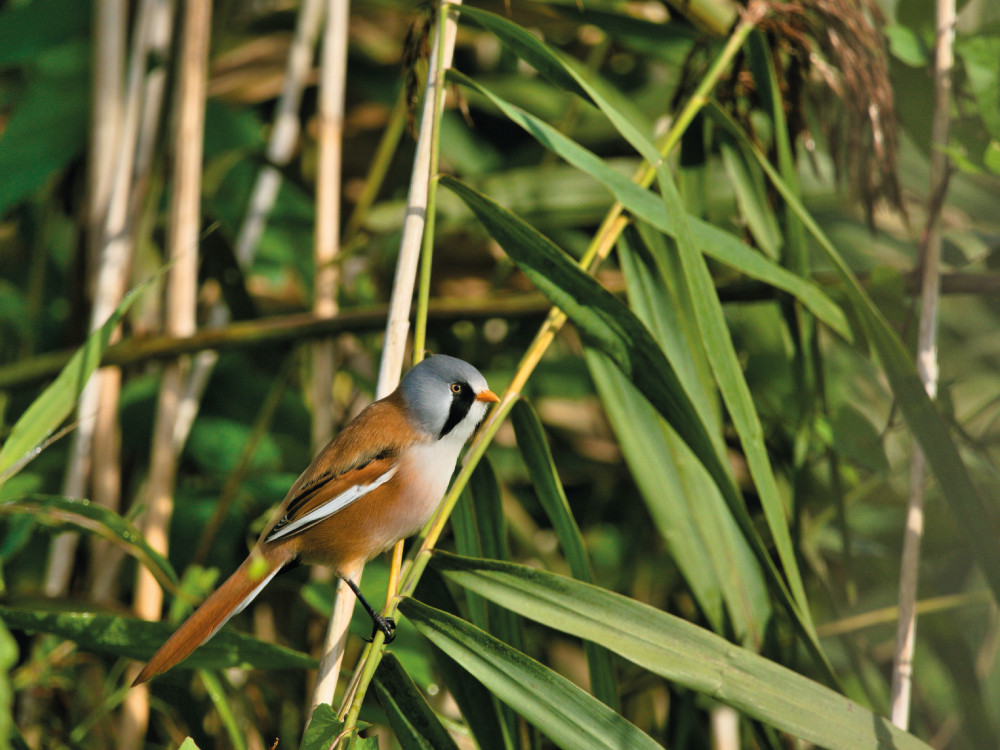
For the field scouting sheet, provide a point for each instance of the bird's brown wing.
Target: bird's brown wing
(364, 456)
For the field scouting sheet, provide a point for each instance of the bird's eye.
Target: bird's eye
(456, 388)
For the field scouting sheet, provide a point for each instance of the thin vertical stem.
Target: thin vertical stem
(143, 104)
(280, 148)
(183, 234)
(333, 81)
(285, 132)
(398, 323)
(110, 20)
(414, 222)
(927, 363)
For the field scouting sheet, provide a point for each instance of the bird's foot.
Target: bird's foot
(386, 625)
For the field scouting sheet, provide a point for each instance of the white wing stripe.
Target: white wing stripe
(331, 506)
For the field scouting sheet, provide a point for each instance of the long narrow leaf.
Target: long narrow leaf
(642, 203)
(570, 717)
(137, 639)
(682, 652)
(979, 521)
(718, 344)
(414, 723)
(485, 531)
(482, 711)
(216, 694)
(542, 469)
(688, 507)
(56, 402)
(610, 326)
(100, 521)
(491, 527)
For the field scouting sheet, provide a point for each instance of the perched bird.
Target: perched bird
(376, 482)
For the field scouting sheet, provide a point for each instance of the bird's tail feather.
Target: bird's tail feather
(230, 598)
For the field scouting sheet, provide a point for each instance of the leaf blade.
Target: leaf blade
(566, 714)
(682, 652)
(542, 469)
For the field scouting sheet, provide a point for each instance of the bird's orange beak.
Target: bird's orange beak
(488, 396)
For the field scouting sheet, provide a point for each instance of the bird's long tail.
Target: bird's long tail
(230, 598)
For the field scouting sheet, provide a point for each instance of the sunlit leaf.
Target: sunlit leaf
(681, 652)
(978, 520)
(716, 243)
(609, 326)
(49, 410)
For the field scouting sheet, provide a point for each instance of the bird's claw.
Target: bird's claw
(386, 625)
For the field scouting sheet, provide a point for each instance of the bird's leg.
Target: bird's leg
(386, 624)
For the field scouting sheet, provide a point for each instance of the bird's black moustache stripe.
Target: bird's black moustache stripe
(461, 402)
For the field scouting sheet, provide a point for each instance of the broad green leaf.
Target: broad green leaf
(491, 527)
(567, 715)
(978, 54)
(188, 744)
(685, 504)
(545, 480)
(641, 434)
(100, 521)
(569, 75)
(735, 393)
(642, 203)
(324, 727)
(605, 321)
(127, 637)
(482, 711)
(473, 523)
(978, 520)
(49, 410)
(707, 308)
(414, 723)
(683, 653)
(466, 530)
(609, 326)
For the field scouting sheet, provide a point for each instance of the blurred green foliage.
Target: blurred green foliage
(655, 522)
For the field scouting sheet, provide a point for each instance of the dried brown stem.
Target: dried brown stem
(927, 365)
(183, 236)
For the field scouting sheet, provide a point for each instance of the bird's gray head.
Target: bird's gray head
(446, 397)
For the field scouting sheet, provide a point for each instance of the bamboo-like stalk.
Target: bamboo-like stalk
(110, 20)
(285, 133)
(927, 364)
(333, 82)
(280, 148)
(604, 240)
(398, 323)
(183, 234)
(143, 99)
